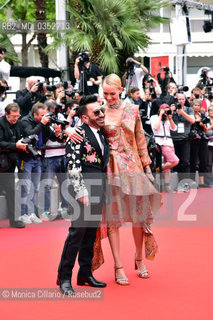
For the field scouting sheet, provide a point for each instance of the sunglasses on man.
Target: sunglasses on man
(97, 111)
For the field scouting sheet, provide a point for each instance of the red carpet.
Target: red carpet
(181, 280)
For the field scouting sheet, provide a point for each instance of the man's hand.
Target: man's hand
(21, 146)
(34, 88)
(92, 80)
(180, 111)
(73, 134)
(45, 119)
(77, 60)
(84, 200)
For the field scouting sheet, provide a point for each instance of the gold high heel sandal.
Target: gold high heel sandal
(143, 273)
(122, 280)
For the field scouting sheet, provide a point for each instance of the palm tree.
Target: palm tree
(110, 30)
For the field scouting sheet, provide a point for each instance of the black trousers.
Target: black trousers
(199, 153)
(80, 240)
(7, 187)
(182, 151)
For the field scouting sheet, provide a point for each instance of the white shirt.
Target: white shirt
(4, 70)
(95, 131)
(163, 131)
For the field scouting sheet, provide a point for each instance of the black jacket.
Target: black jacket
(9, 135)
(26, 100)
(85, 162)
(30, 126)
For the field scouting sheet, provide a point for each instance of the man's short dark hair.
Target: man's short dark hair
(12, 107)
(71, 103)
(37, 106)
(132, 90)
(85, 100)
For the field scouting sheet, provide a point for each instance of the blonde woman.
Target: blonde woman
(129, 177)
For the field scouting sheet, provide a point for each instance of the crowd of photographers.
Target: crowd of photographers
(180, 128)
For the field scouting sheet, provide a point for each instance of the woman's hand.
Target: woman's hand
(148, 173)
(73, 134)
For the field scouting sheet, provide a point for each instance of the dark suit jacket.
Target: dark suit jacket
(9, 135)
(86, 162)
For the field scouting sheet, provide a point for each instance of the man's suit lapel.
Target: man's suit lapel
(92, 139)
(106, 152)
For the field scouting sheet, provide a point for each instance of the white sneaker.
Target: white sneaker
(25, 219)
(34, 218)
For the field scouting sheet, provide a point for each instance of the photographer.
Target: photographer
(133, 77)
(205, 78)
(10, 140)
(171, 91)
(54, 164)
(88, 73)
(152, 84)
(149, 107)
(164, 79)
(199, 145)
(161, 125)
(133, 96)
(72, 113)
(4, 66)
(183, 117)
(35, 92)
(3, 96)
(36, 123)
(209, 133)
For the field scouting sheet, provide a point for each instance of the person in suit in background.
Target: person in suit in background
(86, 160)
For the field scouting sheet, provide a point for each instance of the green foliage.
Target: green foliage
(6, 43)
(111, 30)
(18, 10)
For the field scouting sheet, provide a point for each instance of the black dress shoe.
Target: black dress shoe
(17, 224)
(91, 281)
(65, 287)
(204, 185)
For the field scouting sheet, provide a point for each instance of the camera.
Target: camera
(31, 140)
(168, 112)
(84, 57)
(166, 69)
(130, 67)
(205, 120)
(182, 88)
(3, 89)
(54, 119)
(197, 96)
(178, 106)
(129, 63)
(49, 87)
(194, 136)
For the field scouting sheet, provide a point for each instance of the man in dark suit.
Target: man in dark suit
(10, 144)
(86, 163)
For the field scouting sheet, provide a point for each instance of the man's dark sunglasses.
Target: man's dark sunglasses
(97, 111)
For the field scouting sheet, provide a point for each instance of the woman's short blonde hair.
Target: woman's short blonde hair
(113, 80)
(210, 108)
